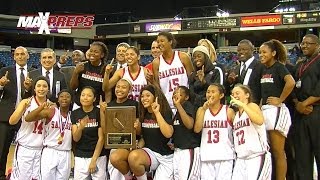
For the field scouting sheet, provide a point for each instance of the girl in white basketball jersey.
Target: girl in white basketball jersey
(136, 74)
(172, 68)
(31, 133)
(216, 149)
(56, 154)
(250, 139)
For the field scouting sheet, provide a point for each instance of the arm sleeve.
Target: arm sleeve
(283, 71)
(316, 90)
(189, 108)
(168, 118)
(73, 118)
(57, 66)
(211, 77)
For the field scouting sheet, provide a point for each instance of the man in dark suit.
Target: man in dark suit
(11, 93)
(248, 72)
(56, 78)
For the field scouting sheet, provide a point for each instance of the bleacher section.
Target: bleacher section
(226, 58)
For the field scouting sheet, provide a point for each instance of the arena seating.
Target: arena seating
(226, 58)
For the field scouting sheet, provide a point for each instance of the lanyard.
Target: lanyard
(304, 67)
(61, 127)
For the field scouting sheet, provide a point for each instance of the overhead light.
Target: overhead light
(222, 13)
(292, 9)
(286, 9)
(177, 17)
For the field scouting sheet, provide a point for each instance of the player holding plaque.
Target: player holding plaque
(117, 156)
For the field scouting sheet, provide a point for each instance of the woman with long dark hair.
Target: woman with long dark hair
(30, 136)
(136, 74)
(156, 130)
(276, 85)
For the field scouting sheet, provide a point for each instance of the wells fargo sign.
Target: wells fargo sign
(266, 20)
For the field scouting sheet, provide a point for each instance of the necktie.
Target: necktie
(120, 66)
(22, 78)
(48, 77)
(243, 72)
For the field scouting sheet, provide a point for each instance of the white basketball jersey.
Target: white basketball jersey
(250, 139)
(58, 126)
(31, 134)
(171, 76)
(216, 139)
(137, 83)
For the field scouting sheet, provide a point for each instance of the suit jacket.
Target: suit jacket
(253, 76)
(67, 72)
(8, 95)
(57, 76)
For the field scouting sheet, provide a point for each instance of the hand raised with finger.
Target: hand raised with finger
(200, 74)
(108, 69)
(27, 82)
(64, 58)
(4, 79)
(103, 104)
(155, 106)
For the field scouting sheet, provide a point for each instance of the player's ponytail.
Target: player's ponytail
(279, 48)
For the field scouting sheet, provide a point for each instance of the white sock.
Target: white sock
(128, 175)
(143, 177)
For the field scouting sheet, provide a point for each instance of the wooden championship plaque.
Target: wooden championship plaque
(120, 133)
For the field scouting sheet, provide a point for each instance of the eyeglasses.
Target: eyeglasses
(307, 43)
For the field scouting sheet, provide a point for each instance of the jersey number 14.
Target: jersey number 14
(38, 127)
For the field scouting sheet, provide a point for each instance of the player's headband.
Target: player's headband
(150, 89)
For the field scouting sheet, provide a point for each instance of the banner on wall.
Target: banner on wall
(163, 26)
(230, 22)
(264, 20)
